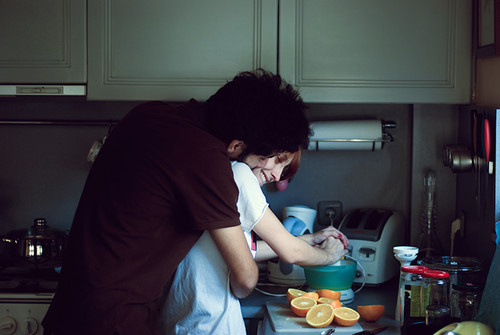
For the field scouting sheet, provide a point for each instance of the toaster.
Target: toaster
(372, 233)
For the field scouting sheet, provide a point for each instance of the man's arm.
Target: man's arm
(234, 249)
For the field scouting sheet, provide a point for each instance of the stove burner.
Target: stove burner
(26, 280)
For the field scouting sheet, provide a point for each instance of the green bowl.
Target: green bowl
(337, 277)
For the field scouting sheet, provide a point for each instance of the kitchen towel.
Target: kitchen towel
(346, 135)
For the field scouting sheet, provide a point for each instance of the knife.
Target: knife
(371, 332)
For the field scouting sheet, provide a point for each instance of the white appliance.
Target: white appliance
(298, 220)
(25, 296)
(372, 234)
(22, 313)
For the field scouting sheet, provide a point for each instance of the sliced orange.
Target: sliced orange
(326, 293)
(371, 313)
(345, 316)
(293, 293)
(320, 316)
(301, 305)
(313, 295)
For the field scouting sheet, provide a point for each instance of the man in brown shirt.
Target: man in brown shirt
(161, 179)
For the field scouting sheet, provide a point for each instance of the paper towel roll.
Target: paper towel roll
(346, 135)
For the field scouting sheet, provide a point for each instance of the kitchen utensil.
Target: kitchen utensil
(280, 320)
(38, 246)
(337, 277)
(405, 254)
(371, 332)
(328, 332)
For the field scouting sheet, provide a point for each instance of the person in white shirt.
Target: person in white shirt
(200, 300)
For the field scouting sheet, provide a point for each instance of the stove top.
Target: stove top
(15, 279)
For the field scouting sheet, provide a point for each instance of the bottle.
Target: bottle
(435, 296)
(465, 300)
(429, 244)
(409, 294)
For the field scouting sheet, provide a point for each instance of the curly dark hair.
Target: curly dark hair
(262, 110)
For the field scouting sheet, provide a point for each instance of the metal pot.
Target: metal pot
(39, 246)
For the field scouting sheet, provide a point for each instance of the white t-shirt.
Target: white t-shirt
(200, 299)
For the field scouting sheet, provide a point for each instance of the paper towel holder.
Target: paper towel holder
(385, 138)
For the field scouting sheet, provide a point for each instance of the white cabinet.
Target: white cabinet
(176, 49)
(43, 41)
(401, 51)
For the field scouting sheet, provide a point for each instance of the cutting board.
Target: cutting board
(283, 321)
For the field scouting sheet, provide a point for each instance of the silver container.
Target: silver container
(39, 245)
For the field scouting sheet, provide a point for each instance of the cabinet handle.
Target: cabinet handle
(39, 90)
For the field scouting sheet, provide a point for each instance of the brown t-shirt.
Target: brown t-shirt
(158, 182)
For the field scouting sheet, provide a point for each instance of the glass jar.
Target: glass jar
(465, 300)
(409, 294)
(435, 295)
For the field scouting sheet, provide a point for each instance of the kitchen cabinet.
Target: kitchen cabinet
(397, 51)
(43, 42)
(386, 51)
(176, 49)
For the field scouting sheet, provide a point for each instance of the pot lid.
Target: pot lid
(39, 230)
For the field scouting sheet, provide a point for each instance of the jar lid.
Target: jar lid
(452, 264)
(436, 274)
(465, 287)
(413, 268)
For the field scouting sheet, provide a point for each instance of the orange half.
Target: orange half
(371, 313)
(345, 316)
(301, 305)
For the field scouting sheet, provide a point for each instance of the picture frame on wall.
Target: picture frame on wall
(488, 28)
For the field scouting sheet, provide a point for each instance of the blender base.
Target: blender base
(346, 296)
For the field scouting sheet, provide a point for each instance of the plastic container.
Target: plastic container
(338, 276)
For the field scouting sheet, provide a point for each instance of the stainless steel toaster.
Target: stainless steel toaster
(372, 233)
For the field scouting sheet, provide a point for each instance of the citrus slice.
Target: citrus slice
(293, 293)
(313, 295)
(371, 313)
(320, 316)
(345, 316)
(301, 305)
(326, 293)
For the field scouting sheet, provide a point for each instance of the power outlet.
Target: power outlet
(328, 210)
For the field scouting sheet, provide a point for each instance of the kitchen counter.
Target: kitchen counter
(254, 310)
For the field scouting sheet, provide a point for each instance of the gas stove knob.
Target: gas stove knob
(7, 325)
(29, 326)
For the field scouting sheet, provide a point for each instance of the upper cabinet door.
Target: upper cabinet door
(176, 49)
(401, 51)
(43, 42)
